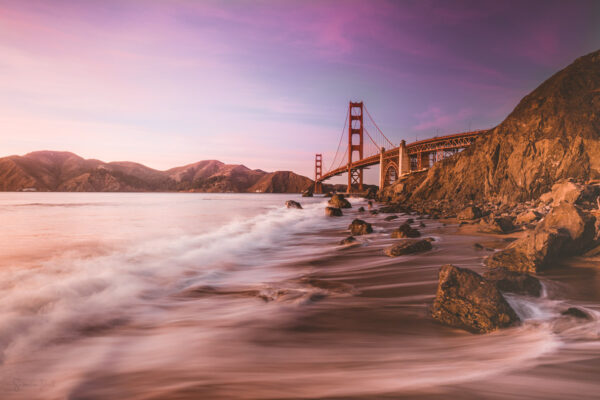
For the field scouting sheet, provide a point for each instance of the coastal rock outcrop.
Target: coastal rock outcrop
(408, 247)
(492, 224)
(333, 212)
(293, 204)
(360, 227)
(465, 300)
(565, 231)
(469, 213)
(338, 201)
(405, 231)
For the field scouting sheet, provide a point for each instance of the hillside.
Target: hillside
(553, 133)
(64, 171)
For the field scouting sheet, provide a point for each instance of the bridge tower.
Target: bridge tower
(318, 173)
(355, 144)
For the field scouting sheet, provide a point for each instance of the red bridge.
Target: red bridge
(393, 163)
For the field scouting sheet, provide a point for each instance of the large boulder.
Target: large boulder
(564, 231)
(514, 282)
(405, 231)
(333, 212)
(469, 213)
(293, 204)
(465, 300)
(492, 224)
(564, 190)
(408, 247)
(338, 201)
(360, 227)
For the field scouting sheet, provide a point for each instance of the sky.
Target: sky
(267, 83)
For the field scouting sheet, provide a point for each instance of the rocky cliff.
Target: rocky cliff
(553, 133)
(64, 171)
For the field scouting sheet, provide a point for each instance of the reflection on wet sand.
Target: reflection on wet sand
(310, 319)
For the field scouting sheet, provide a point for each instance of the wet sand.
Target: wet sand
(338, 323)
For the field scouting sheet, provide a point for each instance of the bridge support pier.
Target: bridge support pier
(403, 159)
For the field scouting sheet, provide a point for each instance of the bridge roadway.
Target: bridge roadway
(410, 157)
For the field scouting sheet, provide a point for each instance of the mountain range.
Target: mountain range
(68, 172)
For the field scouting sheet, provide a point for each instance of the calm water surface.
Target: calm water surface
(225, 296)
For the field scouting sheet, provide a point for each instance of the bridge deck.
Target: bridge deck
(431, 145)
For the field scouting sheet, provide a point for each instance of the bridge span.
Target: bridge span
(394, 162)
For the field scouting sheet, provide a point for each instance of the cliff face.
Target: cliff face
(63, 171)
(553, 133)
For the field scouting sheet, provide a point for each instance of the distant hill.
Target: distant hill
(67, 172)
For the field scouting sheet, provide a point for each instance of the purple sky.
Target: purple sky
(267, 83)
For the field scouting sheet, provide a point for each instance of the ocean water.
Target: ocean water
(227, 296)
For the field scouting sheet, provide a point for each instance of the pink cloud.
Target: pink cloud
(436, 118)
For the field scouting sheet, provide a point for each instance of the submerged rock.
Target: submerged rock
(348, 240)
(514, 282)
(390, 218)
(408, 247)
(361, 209)
(338, 201)
(576, 313)
(465, 300)
(293, 204)
(333, 212)
(360, 227)
(405, 231)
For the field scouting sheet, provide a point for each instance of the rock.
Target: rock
(293, 204)
(328, 194)
(527, 217)
(408, 247)
(496, 225)
(514, 282)
(361, 209)
(469, 213)
(374, 212)
(564, 190)
(422, 225)
(532, 253)
(307, 193)
(348, 240)
(410, 221)
(579, 225)
(360, 227)
(564, 231)
(333, 212)
(338, 201)
(390, 218)
(405, 231)
(576, 312)
(465, 300)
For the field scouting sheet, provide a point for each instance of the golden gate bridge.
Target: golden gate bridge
(394, 161)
